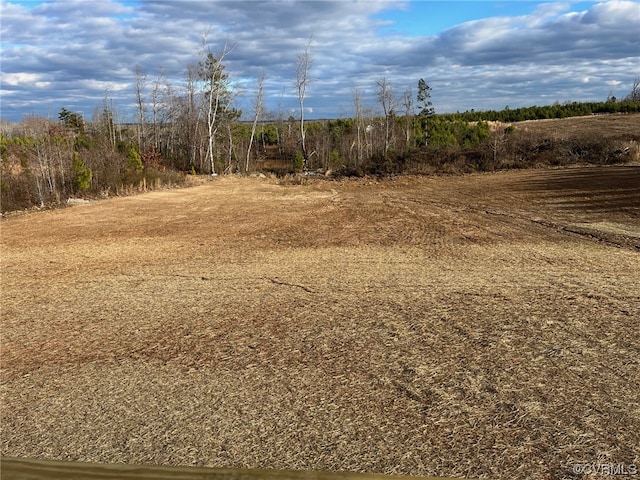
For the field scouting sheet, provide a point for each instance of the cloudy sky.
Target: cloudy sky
(474, 54)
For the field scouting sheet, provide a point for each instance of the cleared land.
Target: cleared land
(622, 127)
(482, 325)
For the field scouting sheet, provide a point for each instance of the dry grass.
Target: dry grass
(619, 126)
(480, 326)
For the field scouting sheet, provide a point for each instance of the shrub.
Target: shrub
(81, 174)
(134, 161)
(335, 160)
(298, 161)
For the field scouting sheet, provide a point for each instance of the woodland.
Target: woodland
(195, 128)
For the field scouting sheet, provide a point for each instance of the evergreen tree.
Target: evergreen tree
(82, 175)
(134, 161)
(424, 99)
(71, 120)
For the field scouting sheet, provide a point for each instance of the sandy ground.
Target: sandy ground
(482, 326)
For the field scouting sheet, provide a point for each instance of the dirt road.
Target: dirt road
(481, 325)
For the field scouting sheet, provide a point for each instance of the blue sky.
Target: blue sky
(474, 54)
(430, 18)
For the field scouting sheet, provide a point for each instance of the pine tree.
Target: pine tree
(82, 175)
(424, 99)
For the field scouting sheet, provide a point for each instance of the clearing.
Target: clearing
(482, 325)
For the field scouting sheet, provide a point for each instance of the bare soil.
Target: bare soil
(468, 326)
(610, 126)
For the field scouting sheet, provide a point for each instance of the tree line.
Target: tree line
(565, 110)
(195, 127)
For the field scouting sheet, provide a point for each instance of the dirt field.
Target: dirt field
(482, 326)
(621, 127)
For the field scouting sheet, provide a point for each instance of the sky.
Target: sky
(474, 54)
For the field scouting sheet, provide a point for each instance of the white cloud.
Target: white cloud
(17, 79)
(612, 14)
(79, 49)
(92, 85)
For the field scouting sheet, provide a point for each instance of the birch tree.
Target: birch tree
(217, 93)
(156, 106)
(141, 80)
(360, 126)
(384, 93)
(302, 82)
(191, 115)
(257, 108)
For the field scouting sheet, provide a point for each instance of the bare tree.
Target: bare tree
(384, 93)
(257, 108)
(156, 105)
(498, 141)
(360, 126)
(302, 81)
(190, 114)
(107, 120)
(216, 83)
(634, 96)
(407, 103)
(141, 80)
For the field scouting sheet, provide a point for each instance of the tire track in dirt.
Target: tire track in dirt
(393, 327)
